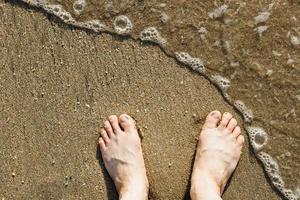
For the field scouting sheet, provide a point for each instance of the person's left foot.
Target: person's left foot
(121, 151)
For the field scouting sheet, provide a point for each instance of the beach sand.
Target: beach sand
(57, 85)
(263, 67)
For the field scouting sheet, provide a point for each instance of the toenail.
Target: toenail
(124, 118)
(227, 113)
(215, 115)
(112, 117)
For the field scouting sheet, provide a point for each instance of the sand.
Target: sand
(264, 69)
(58, 84)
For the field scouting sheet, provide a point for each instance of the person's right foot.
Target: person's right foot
(218, 152)
(121, 151)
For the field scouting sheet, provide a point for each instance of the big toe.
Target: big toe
(212, 119)
(126, 122)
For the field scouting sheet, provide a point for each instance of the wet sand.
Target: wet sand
(57, 85)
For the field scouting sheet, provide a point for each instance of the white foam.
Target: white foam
(222, 82)
(246, 112)
(94, 25)
(218, 12)
(123, 25)
(258, 138)
(78, 6)
(272, 169)
(60, 12)
(195, 64)
(262, 17)
(289, 194)
(151, 34)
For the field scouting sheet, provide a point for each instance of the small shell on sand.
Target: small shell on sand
(218, 12)
(262, 17)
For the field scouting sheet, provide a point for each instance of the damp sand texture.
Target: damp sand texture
(249, 49)
(58, 84)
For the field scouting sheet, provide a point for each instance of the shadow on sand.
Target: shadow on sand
(111, 190)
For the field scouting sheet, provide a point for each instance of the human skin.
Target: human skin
(218, 152)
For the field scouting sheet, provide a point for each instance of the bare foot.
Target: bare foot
(217, 155)
(121, 151)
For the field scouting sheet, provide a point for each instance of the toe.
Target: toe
(126, 122)
(212, 119)
(102, 144)
(232, 124)
(104, 136)
(113, 119)
(240, 140)
(108, 129)
(236, 131)
(225, 119)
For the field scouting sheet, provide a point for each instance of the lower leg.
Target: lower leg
(206, 189)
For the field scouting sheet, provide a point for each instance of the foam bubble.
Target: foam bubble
(151, 34)
(272, 169)
(289, 194)
(218, 12)
(262, 17)
(79, 6)
(60, 12)
(94, 25)
(195, 64)
(246, 112)
(222, 82)
(123, 25)
(258, 137)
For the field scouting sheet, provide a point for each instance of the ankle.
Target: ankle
(203, 187)
(206, 196)
(134, 191)
(134, 194)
